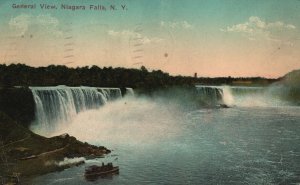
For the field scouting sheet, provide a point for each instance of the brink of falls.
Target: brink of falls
(56, 106)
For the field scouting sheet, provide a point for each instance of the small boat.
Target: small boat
(104, 170)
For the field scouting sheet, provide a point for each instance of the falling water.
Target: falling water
(240, 96)
(129, 91)
(59, 105)
(210, 95)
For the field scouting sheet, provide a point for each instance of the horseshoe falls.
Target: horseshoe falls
(241, 96)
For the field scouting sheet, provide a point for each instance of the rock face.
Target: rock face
(18, 103)
(27, 154)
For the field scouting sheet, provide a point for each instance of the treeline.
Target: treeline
(23, 75)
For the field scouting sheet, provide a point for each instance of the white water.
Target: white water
(56, 106)
(139, 117)
(129, 92)
(128, 121)
(60, 107)
(228, 98)
(70, 161)
(158, 141)
(243, 96)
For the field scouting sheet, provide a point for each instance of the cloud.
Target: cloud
(121, 33)
(174, 25)
(134, 35)
(22, 23)
(47, 20)
(290, 26)
(255, 27)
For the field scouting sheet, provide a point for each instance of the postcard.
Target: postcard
(145, 92)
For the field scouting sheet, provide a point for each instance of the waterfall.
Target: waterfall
(110, 93)
(129, 92)
(238, 96)
(58, 105)
(233, 95)
(227, 97)
(210, 95)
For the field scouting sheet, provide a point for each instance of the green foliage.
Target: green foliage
(142, 79)
(22, 75)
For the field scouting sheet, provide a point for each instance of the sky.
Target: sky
(213, 38)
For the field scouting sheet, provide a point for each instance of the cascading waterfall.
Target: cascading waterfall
(58, 105)
(238, 96)
(129, 91)
(110, 93)
(210, 95)
(227, 96)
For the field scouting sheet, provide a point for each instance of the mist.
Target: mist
(151, 119)
(131, 120)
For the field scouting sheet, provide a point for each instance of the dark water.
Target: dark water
(156, 144)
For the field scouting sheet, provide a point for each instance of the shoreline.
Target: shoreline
(26, 155)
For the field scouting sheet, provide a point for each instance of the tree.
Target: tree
(144, 69)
